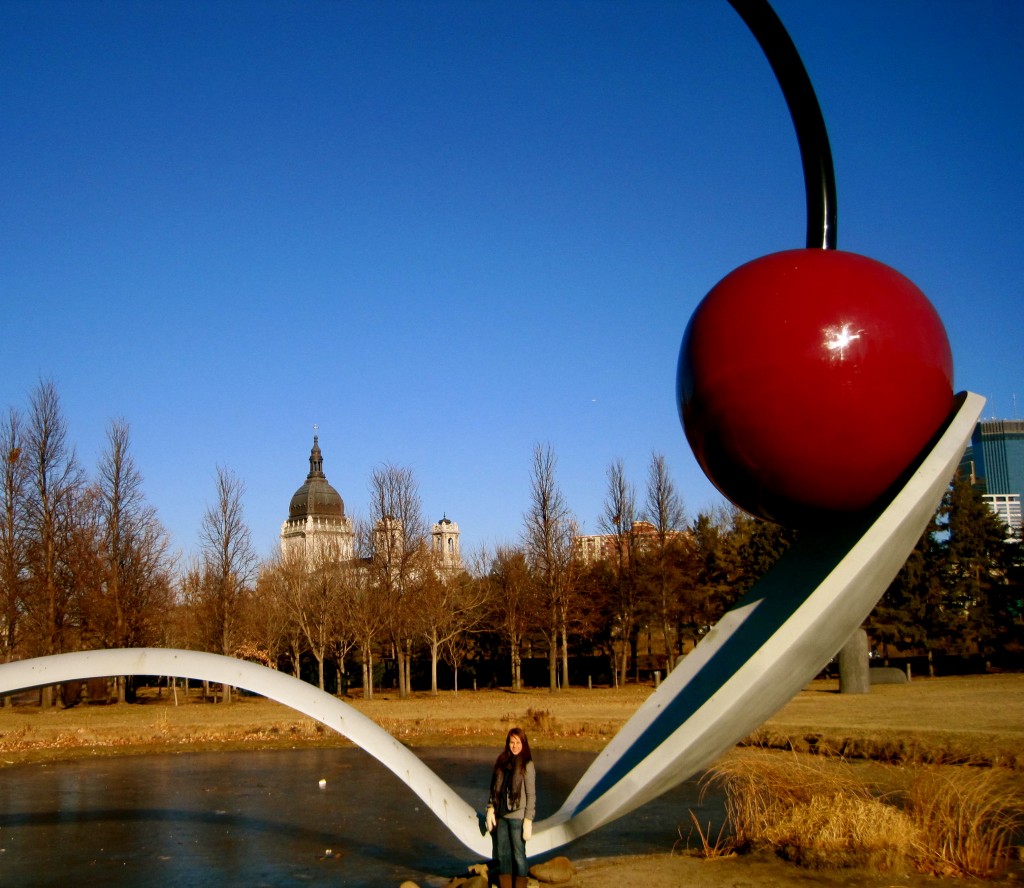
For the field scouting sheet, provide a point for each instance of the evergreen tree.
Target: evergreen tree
(706, 600)
(978, 566)
(959, 591)
(666, 566)
(756, 545)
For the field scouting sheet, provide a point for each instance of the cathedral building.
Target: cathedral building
(317, 524)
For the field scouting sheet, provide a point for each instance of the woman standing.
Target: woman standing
(511, 807)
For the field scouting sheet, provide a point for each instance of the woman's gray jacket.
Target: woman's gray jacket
(527, 807)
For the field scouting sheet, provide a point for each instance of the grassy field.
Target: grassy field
(975, 718)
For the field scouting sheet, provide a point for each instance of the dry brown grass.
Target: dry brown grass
(823, 813)
(968, 820)
(956, 720)
(974, 719)
(585, 720)
(573, 718)
(812, 811)
(712, 846)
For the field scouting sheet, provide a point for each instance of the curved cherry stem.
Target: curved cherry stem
(815, 151)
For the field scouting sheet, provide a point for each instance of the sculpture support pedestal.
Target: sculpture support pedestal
(854, 677)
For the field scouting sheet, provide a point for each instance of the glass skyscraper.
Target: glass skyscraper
(997, 448)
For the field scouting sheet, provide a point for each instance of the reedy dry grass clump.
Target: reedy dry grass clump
(814, 812)
(542, 722)
(968, 818)
(712, 847)
(817, 812)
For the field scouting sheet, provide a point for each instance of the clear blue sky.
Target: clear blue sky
(445, 231)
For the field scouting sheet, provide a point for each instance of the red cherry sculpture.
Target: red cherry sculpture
(809, 380)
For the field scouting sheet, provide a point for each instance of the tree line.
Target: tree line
(85, 564)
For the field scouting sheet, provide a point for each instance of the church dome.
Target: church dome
(316, 498)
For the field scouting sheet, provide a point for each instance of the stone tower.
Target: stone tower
(445, 543)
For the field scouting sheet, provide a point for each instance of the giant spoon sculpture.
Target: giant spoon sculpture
(836, 415)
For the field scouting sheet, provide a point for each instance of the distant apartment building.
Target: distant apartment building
(995, 465)
(604, 546)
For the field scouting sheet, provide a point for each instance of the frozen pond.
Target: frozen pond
(261, 819)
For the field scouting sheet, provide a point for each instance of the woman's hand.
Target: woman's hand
(490, 820)
(527, 830)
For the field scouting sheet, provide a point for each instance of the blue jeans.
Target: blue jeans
(508, 840)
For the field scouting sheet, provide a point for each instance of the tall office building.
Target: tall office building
(997, 450)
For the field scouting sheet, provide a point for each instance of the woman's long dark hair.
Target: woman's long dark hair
(510, 766)
(506, 754)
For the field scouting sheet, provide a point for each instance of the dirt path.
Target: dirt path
(748, 871)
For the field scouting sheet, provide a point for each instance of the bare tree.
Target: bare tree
(229, 562)
(451, 604)
(84, 571)
(366, 609)
(515, 604)
(185, 626)
(398, 559)
(548, 536)
(617, 521)
(55, 481)
(351, 578)
(134, 553)
(13, 533)
(664, 509)
(316, 601)
(268, 627)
